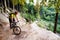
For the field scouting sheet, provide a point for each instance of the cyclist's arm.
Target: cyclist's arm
(17, 18)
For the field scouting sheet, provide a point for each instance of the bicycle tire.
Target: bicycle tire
(16, 28)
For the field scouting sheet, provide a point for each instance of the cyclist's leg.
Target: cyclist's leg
(14, 21)
(10, 21)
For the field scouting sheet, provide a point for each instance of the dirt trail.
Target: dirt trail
(29, 32)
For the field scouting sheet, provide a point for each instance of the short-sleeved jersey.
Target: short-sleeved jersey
(12, 15)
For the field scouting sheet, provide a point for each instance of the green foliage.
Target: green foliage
(46, 24)
(58, 28)
(50, 27)
(15, 2)
(41, 23)
(48, 18)
(22, 2)
(29, 17)
(31, 0)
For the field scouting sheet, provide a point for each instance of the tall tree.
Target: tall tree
(31, 1)
(37, 8)
(22, 2)
(4, 4)
(56, 4)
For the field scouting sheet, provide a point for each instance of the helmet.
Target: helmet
(16, 12)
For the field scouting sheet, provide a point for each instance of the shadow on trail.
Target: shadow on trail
(21, 36)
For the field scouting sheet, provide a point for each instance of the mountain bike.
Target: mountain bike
(16, 29)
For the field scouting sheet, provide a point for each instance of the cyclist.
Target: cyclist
(13, 18)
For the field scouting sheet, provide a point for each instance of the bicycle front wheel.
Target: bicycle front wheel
(17, 30)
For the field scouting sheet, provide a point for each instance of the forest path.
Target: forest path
(29, 31)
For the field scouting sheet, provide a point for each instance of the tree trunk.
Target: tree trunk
(55, 25)
(13, 4)
(4, 4)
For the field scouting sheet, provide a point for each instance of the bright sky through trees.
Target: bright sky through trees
(34, 1)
